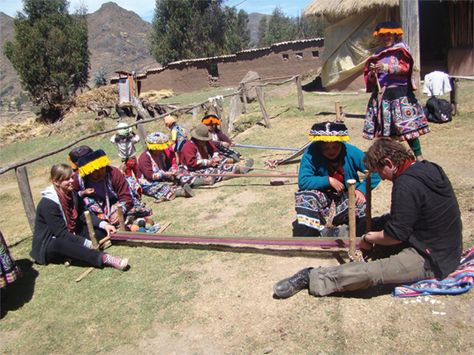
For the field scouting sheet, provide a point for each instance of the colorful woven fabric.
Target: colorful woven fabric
(9, 272)
(459, 281)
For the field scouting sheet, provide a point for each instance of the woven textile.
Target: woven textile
(459, 281)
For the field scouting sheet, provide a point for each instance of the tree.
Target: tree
(185, 29)
(280, 28)
(262, 32)
(50, 53)
(310, 27)
(100, 77)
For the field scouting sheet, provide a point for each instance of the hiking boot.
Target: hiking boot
(185, 191)
(292, 285)
(203, 180)
(115, 262)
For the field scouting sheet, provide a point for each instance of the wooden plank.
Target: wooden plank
(121, 218)
(261, 101)
(26, 196)
(409, 17)
(163, 227)
(243, 92)
(299, 90)
(85, 273)
(368, 200)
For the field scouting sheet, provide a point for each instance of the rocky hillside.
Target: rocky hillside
(117, 41)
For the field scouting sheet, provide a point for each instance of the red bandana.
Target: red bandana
(404, 166)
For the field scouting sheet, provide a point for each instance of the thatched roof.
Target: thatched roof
(340, 8)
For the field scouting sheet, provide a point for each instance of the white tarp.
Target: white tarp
(347, 45)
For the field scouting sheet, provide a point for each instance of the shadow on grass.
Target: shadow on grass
(15, 295)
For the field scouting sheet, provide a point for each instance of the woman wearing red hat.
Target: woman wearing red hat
(393, 110)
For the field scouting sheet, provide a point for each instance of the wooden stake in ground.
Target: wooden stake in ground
(95, 245)
(368, 200)
(26, 196)
(352, 218)
(121, 218)
(261, 101)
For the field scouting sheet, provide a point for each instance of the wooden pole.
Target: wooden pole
(261, 101)
(299, 90)
(90, 228)
(409, 17)
(368, 200)
(244, 97)
(338, 108)
(26, 196)
(234, 111)
(121, 219)
(85, 273)
(352, 218)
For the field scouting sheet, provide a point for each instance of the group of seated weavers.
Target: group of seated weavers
(92, 183)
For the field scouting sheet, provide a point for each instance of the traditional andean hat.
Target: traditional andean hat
(157, 141)
(200, 132)
(92, 162)
(211, 119)
(77, 153)
(329, 132)
(388, 27)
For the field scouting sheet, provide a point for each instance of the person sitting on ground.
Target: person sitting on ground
(109, 186)
(421, 238)
(9, 271)
(326, 166)
(178, 137)
(159, 170)
(125, 140)
(200, 156)
(60, 227)
(219, 138)
(74, 155)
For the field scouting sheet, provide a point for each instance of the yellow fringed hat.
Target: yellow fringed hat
(329, 132)
(388, 27)
(92, 162)
(157, 141)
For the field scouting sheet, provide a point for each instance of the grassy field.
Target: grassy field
(192, 301)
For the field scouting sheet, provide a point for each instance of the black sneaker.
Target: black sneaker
(292, 285)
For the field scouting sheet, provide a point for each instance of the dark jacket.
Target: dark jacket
(50, 222)
(425, 214)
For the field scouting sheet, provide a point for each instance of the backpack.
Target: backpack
(438, 110)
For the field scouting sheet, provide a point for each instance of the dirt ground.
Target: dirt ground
(223, 301)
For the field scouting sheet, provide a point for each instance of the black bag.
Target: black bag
(438, 110)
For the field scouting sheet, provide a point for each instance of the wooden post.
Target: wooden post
(338, 107)
(26, 196)
(234, 111)
(352, 218)
(299, 90)
(454, 95)
(244, 97)
(121, 218)
(261, 101)
(409, 18)
(368, 200)
(90, 228)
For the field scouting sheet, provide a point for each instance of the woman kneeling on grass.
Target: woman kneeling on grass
(60, 227)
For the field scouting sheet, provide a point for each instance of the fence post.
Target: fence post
(244, 97)
(339, 115)
(234, 111)
(299, 89)
(26, 196)
(261, 101)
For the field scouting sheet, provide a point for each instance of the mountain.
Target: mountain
(254, 21)
(117, 41)
(9, 80)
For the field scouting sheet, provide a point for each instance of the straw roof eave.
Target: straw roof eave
(341, 8)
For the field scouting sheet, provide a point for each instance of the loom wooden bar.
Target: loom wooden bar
(409, 17)
(26, 196)
(352, 218)
(289, 175)
(261, 101)
(90, 228)
(121, 218)
(299, 91)
(368, 200)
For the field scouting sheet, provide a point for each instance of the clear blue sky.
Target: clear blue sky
(145, 8)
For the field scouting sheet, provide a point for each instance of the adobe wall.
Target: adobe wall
(284, 60)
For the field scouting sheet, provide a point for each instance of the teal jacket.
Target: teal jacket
(314, 175)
